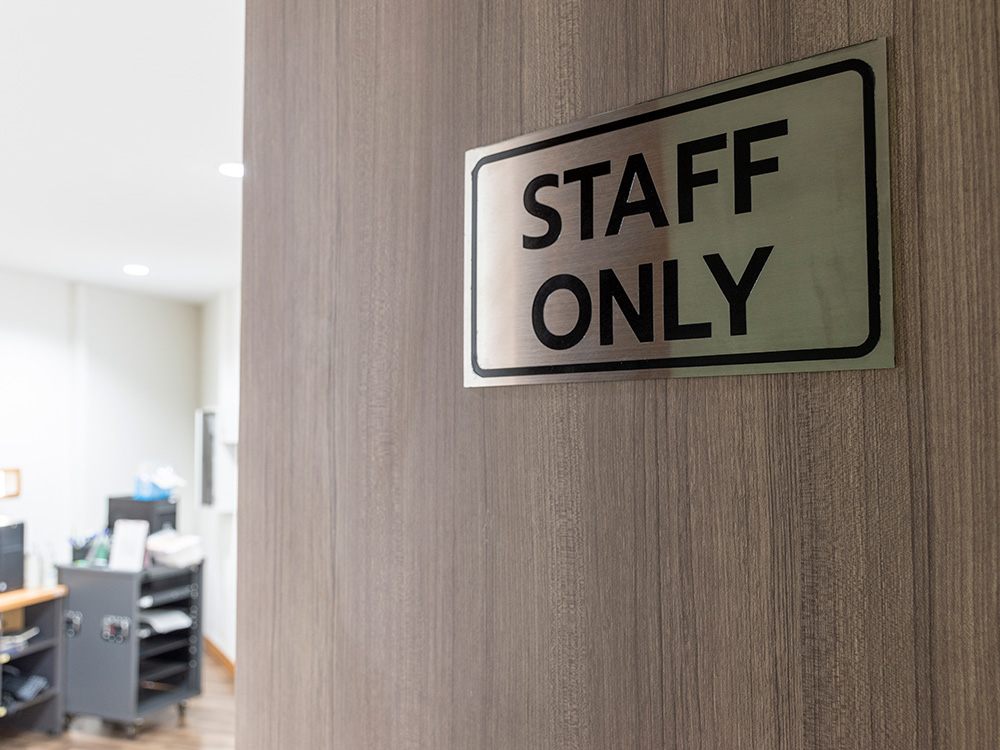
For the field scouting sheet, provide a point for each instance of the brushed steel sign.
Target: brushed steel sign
(743, 227)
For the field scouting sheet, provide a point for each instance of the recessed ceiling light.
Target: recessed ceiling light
(231, 169)
(135, 269)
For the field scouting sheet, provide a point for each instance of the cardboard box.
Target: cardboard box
(12, 622)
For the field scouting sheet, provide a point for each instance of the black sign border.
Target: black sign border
(710, 360)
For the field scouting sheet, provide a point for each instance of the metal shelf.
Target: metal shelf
(161, 670)
(25, 705)
(169, 596)
(43, 609)
(151, 648)
(32, 648)
(163, 573)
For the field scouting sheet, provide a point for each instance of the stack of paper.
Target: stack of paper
(16, 642)
(165, 620)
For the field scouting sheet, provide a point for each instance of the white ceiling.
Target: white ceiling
(114, 118)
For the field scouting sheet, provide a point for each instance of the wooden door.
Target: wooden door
(783, 561)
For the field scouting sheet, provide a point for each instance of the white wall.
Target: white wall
(138, 388)
(220, 378)
(93, 382)
(36, 407)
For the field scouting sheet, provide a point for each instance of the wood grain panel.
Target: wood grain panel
(786, 561)
(959, 140)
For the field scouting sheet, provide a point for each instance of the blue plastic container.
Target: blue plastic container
(146, 489)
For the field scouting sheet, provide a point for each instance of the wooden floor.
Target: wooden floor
(210, 725)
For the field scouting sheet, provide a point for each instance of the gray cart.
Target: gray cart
(117, 668)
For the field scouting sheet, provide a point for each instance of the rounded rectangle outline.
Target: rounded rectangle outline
(867, 75)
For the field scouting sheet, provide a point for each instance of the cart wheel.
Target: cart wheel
(182, 709)
(131, 730)
(67, 720)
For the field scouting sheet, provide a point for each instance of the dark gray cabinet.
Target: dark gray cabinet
(42, 657)
(118, 667)
(160, 514)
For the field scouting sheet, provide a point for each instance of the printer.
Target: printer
(11, 556)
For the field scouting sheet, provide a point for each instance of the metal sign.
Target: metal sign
(742, 227)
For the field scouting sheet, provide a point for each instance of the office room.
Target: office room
(120, 234)
(499, 375)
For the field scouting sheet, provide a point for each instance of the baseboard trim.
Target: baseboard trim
(217, 653)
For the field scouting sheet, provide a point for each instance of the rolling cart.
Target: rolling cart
(119, 668)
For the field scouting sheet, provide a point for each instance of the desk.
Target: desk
(43, 608)
(29, 597)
